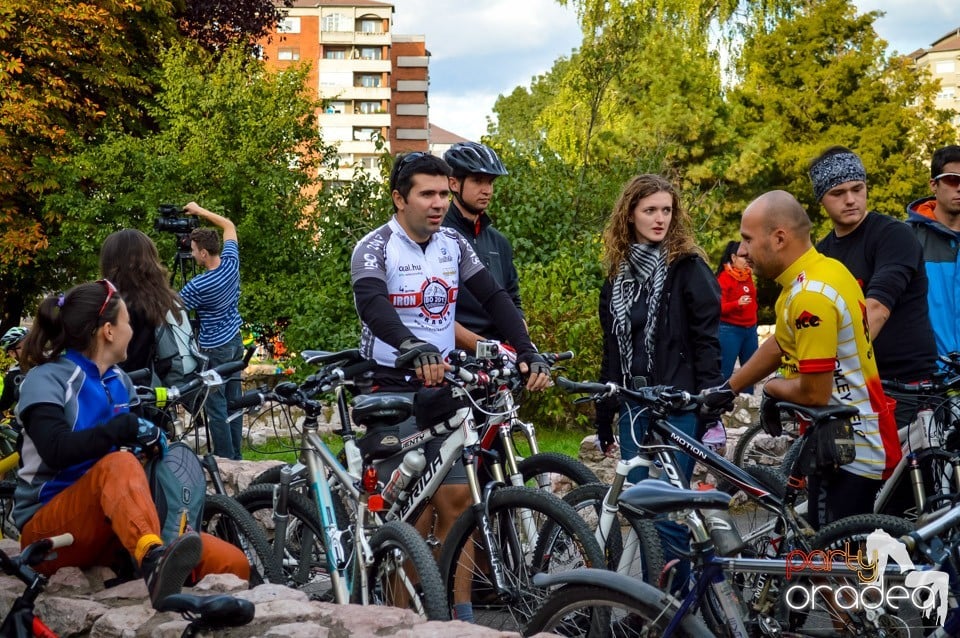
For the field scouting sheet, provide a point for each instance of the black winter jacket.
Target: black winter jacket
(687, 355)
(496, 254)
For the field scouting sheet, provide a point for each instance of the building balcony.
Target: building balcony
(365, 147)
(413, 60)
(354, 65)
(370, 93)
(336, 37)
(361, 38)
(366, 120)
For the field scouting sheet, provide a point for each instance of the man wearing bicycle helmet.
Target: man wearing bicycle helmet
(408, 277)
(475, 167)
(10, 343)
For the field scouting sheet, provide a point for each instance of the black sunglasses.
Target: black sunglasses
(950, 179)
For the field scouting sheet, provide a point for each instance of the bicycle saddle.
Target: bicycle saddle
(381, 409)
(653, 496)
(819, 414)
(220, 610)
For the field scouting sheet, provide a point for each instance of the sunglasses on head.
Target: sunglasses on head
(950, 179)
(111, 291)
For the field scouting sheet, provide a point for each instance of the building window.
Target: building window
(371, 53)
(945, 66)
(370, 163)
(369, 80)
(947, 93)
(288, 54)
(364, 134)
(289, 25)
(369, 107)
(371, 25)
(334, 53)
(335, 22)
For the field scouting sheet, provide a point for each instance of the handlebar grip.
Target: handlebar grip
(230, 367)
(563, 356)
(583, 387)
(249, 399)
(61, 540)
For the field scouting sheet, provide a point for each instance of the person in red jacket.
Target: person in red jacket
(738, 310)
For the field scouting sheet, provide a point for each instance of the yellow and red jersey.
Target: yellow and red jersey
(822, 327)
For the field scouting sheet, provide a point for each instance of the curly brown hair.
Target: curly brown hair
(619, 233)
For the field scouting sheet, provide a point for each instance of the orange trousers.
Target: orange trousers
(109, 508)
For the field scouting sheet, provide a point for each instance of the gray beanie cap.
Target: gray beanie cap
(835, 169)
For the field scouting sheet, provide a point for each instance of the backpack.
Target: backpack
(179, 487)
(173, 360)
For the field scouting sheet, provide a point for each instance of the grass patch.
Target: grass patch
(284, 450)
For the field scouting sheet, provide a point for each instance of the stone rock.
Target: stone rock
(68, 616)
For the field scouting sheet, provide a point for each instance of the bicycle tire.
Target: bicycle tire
(304, 560)
(848, 534)
(641, 537)
(594, 611)
(540, 470)
(398, 547)
(227, 519)
(749, 450)
(7, 527)
(563, 542)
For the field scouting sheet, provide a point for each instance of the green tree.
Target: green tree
(821, 78)
(230, 135)
(66, 69)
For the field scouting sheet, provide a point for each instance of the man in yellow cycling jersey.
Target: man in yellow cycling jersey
(822, 341)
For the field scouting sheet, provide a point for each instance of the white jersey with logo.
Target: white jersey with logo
(422, 283)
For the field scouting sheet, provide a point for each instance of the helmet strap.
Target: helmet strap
(463, 206)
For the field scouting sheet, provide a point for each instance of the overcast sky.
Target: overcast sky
(480, 50)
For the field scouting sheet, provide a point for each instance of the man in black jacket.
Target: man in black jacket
(887, 261)
(475, 167)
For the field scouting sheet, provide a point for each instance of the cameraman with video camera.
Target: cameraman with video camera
(215, 295)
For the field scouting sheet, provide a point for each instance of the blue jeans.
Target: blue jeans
(736, 342)
(227, 439)
(674, 538)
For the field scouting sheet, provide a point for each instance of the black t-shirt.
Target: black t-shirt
(885, 257)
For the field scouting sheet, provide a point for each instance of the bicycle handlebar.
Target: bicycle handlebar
(923, 387)
(61, 540)
(213, 377)
(656, 395)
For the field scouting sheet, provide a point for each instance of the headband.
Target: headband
(835, 169)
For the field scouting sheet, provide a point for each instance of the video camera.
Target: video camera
(173, 220)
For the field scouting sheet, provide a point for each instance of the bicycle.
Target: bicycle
(329, 553)
(497, 404)
(515, 552)
(599, 603)
(223, 516)
(786, 530)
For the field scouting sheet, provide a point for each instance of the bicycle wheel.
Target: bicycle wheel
(555, 472)
(535, 532)
(630, 535)
(7, 528)
(226, 519)
(848, 536)
(756, 447)
(755, 523)
(404, 573)
(304, 554)
(594, 611)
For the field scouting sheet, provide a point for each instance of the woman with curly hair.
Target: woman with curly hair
(659, 312)
(129, 259)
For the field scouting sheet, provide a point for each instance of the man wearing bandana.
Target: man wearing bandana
(885, 258)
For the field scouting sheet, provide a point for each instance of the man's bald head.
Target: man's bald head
(776, 232)
(780, 209)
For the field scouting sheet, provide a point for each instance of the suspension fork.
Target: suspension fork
(481, 512)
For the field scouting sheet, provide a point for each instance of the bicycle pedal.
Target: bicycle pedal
(433, 542)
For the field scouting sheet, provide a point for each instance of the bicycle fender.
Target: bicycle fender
(628, 586)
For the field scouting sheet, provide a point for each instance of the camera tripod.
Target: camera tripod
(184, 267)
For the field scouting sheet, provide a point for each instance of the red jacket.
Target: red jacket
(730, 292)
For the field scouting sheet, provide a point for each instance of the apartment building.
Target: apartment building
(373, 82)
(942, 60)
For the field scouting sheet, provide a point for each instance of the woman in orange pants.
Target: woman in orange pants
(75, 410)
